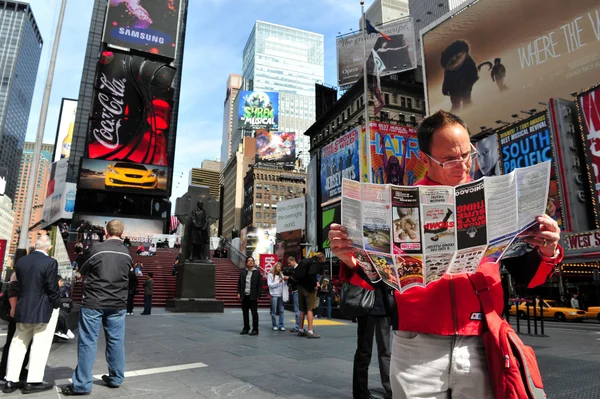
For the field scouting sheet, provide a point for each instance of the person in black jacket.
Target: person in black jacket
(249, 290)
(106, 266)
(306, 276)
(36, 315)
(132, 291)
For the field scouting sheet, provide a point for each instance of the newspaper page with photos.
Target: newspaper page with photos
(413, 236)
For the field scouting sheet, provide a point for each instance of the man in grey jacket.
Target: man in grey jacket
(106, 268)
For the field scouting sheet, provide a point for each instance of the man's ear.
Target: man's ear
(424, 158)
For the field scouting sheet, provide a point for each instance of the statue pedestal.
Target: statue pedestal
(195, 290)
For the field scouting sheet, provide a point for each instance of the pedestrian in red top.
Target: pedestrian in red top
(438, 352)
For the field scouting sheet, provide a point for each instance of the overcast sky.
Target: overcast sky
(217, 31)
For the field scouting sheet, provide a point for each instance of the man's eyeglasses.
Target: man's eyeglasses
(456, 163)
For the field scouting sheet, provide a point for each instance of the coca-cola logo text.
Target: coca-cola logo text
(112, 111)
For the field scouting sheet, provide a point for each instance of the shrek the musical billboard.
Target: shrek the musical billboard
(258, 109)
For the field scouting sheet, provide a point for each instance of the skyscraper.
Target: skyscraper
(382, 11)
(289, 61)
(234, 83)
(20, 51)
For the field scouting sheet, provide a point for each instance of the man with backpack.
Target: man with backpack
(305, 274)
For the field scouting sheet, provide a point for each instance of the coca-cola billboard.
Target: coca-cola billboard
(150, 26)
(131, 110)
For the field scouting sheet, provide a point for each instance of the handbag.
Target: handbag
(356, 301)
(512, 366)
(286, 293)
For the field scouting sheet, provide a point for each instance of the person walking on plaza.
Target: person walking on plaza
(444, 356)
(275, 281)
(306, 277)
(289, 272)
(132, 291)
(104, 300)
(249, 287)
(36, 315)
(325, 293)
(148, 291)
(574, 302)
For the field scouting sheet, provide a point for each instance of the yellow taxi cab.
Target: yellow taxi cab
(552, 310)
(131, 175)
(593, 312)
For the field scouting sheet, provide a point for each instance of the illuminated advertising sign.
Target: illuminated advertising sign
(275, 146)
(123, 176)
(589, 110)
(64, 133)
(496, 58)
(144, 25)
(331, 214)
(60, 195)
(339, 160)
(267, 261)
(291, 215)
(137, 230)
(258, 109)
(131, 110)
(3, 178)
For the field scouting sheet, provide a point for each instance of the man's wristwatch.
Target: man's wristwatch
(549, 259)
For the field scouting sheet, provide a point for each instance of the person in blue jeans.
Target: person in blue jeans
(275, 281)
(289, 273)
(325, 294)
(106, 266)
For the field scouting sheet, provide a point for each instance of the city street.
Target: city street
(203, 356)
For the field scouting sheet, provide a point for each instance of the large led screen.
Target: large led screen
(131, 110)
(258, 110)
(150, 26)
(275, 146)
(123, 176)
(498, 58)
(137, 230)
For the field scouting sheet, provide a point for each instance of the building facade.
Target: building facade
(20, 51)
(289, 61)
(207, 175)
(234, 83)
(265, 185)
(7, 219)
(382, 11)
(40, 172)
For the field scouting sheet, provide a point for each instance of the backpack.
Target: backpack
(301, 271)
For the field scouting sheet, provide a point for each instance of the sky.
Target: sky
(217, 31)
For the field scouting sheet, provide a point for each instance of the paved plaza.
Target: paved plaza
(180, 356)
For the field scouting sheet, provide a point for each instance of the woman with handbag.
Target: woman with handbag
(448, 342)
(276, 282)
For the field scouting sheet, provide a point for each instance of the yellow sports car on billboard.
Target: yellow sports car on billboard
(130, 175)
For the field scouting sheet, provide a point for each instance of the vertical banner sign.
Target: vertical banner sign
(64, 133)
(331, 214)
(267, 261)
(3, 178)
(339, 160)
(395, 155)
(589, 105)
(131, 110)
(527, 143)
(2, 253)
(311, 204)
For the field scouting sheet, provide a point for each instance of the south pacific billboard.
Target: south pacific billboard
(527, 143)
(149, 26)
(339, 160)
(129, 177)
(131, 111)
(275, 146)
(64, 133)
(258, 110)
(497, 58)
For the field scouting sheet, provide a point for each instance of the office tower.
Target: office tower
(25, 174)
(382, 11)
(7, 219)
(207, 175)
(288, 61)
(234, 83)
(20, 50)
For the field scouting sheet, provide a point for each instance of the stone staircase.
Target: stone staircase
(227, 274)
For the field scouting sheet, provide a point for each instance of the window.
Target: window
(258, 215)
(258, 186)
(258, 205)
(386, 97)
(403, 102)
(402, 118)
(274, 187)
(267, 187)
(409, 102)
(395, 98)
(258, 195)
(281, 189)
(266, 206)
(275, 216)
(273, 197)
(418, 103)
(413, 120)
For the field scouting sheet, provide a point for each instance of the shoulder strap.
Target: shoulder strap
(482, 289)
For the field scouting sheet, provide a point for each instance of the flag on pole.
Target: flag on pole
(378, 67)
(372, 29)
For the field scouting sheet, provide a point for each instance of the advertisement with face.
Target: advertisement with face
(589, 109)
(339, 160)
(397, 55)
(131, 110)
(143, 25)
(258, 110)
(275, 146)
(60, 195)
(123, 176)
(64, 133)
(487, 162)
(138, 230)
(496, 58)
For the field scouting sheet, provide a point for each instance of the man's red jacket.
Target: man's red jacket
(451, 306)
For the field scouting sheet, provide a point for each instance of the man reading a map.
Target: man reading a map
(438, 350)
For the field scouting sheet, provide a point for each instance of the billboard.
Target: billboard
(60, 195)
(97, 174)
(258, 241)
(258, 109)
(64, 132)
(311, 204)
(394, 154)
(397, 55)
(339, 160)
(143, 25)
(275, 146)
(267, 261)
(138, 230)
(589, 110)
(331, 214)
(527, 143)
(131, 110)
(3, 247)
(3, 178)
(291, 215)
(512, 54)
(487, 162)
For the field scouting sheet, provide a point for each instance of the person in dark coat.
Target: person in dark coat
(249, 290)
(132, 291)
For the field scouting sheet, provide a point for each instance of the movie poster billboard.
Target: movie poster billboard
(527, 143)
(137, 230)
(129, 177)
(311, 204)
(259, 241)
(275, 146)
(589, 109)
(397, 55)
(258, 110)
(148, 26)
(64, 132)
(132, 104)
(394, 154)
(331, 214)
(487, 162)
(497, 58)
(339, 160)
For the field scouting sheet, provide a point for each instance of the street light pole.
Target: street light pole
(24, 236)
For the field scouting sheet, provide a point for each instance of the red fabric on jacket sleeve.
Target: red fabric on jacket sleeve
(546, 268)
(347, 275)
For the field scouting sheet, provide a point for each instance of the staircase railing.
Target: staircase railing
(236, 256)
